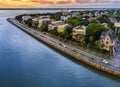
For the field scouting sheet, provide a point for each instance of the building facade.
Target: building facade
(108, 40)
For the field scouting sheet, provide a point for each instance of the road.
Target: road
(117, 54)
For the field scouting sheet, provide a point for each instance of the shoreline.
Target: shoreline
(42, 37)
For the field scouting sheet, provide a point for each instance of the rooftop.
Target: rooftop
(80, 27)
(109, 33)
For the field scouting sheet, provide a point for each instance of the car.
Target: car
(105, 61)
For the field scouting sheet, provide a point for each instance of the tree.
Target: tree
(54, 31)
(67, 33)
(29, 22)
(79, 38)
(91, 40)
(118, 18)
(56, 16)
(84, 22)
(94, 21)
(94, 30)
(19, 18)
(118, 36)
(111, 49)
(97, 42)
(73, 21)
(83, 44)
(103, 20)
(44, 28)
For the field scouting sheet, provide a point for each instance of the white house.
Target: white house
(54, 24)
(25, 18)
(62, 27)
(41, 21)
(81, 30)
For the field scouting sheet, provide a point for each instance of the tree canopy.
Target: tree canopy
(94, 30)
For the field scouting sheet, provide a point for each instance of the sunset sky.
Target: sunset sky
(60, 3)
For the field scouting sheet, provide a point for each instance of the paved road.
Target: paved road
(117, 54)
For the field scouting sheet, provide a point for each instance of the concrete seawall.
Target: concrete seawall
(92, 64)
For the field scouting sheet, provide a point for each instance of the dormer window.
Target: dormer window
(107, 38)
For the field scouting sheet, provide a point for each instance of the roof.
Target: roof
(63, 25)
(41, 19)
(26, 17)
(111, 34)
(80, 27)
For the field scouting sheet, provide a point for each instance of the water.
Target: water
(26, 62)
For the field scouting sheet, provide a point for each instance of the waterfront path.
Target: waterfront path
(109, 64)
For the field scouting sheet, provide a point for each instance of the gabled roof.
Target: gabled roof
(109, 33)
(80, 27)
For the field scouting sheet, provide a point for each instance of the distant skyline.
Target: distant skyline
(60, 3)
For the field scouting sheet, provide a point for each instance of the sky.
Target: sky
(60, 3)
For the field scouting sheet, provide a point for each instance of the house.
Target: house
(65, 17)
(47, 17)
(62, 27)
(81, 30)
(41, 21)
(25, 18)
(112, 19)
(107, 40)
(75, 14)
(92, 18)
(117, 27)
(54, 24)
(105, 24)
(117, 24)
(79, 33)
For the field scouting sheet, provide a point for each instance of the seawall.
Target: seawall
(92, 64)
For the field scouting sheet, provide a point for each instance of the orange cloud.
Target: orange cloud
(33, 3)
(48, 3)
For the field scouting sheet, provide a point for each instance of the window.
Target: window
(111, 42)
(106, 46)
(107, 42)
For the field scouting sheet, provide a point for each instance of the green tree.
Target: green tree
(54, 31)
(94, 30)
(103, 20)
(56, 16)
(44, 28)
(97, 42)
(91, 40)
(79, 38)
(84, 22)
(19, 18)
(111, 50)
(73, 21)
(29, 22)
(67, 33)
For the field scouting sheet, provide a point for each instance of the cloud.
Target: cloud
(51, 3)
(85, 1)
(97, 1)
(64, 2)
(43, 1)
